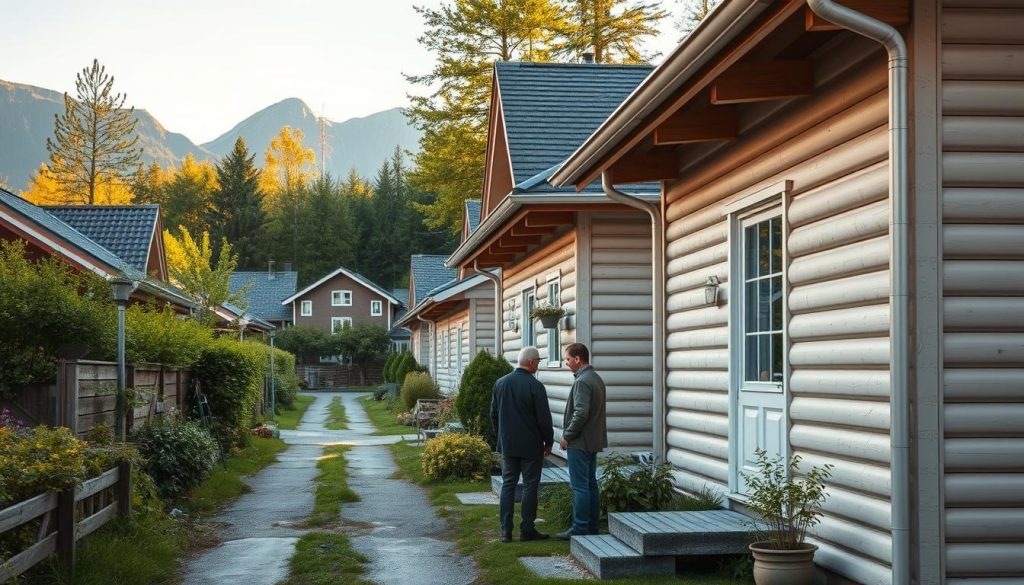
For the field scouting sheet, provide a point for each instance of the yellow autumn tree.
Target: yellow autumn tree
(289, 164)
(187, 195)
(44, 189)
(193, 267)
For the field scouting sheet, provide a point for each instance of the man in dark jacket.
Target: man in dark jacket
(521, 419)
(584, 434)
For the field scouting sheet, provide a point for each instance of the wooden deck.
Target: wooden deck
(714, 532)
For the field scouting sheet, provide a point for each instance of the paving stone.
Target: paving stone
(478, 498)
(558, 567)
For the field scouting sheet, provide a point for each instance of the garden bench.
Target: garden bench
(424, 414)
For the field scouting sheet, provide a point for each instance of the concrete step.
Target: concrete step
(713, 532)
(609, 558)
(548, 476)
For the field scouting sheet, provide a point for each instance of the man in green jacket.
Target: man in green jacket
(584, 434)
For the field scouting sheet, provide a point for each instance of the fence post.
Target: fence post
(66, 529)
(69, 394)
(124, 488)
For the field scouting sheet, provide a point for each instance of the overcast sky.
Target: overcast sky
(201, 66)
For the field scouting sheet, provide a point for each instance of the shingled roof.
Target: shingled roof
(428, 273)
(125, 230)
(473, 214)
(266, 293)
(551, 108)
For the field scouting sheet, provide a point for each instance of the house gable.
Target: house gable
(498, 175)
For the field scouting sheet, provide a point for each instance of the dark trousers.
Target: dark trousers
(586, 494)
(511, 469)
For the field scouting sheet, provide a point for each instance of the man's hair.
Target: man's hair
(578, 350)
(528, 354)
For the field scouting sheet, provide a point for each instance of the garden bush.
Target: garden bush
(34, 460)
(418, 385)
(286, 382)
(389, 367)
(160, 336)
(635, 487)
(231, 374)
(557, 501)
(179, 453)
(457, 456)
(405, 366)
(473, 402)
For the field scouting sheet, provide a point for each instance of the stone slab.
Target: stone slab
(609, 558)
(557, 567)
(478, 498)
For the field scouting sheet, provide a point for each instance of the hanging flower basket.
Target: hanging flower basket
(549, 315)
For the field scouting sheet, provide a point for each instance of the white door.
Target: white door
(759, 344)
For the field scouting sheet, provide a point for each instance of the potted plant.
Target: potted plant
(549, 315)
(785, 507)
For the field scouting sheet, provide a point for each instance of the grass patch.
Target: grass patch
(476, 533)
(336, 419)
(225, 483)
(326, 558)
(331, 487)
(289, 418)
(384, 419)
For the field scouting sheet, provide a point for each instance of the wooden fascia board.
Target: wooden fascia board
(892, 12)
(738, 49)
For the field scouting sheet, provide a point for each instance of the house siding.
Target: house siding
(982, 169)
(833, 149)
(482, 313)
(447, 372)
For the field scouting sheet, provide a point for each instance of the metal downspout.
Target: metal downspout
(657, 306)
(498, 333)
(431, 347)
(899, 261)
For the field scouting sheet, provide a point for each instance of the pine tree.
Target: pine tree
(609, 29)
(328, 236)
(236, 208)
(389, 243)
(94, 139)
(694, 11)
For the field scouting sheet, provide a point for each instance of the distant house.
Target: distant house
(426, 272)
(267, 290)
(343, 297)
(401, 338)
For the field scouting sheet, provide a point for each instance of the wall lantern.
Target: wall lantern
(513, 323)
(711, 290)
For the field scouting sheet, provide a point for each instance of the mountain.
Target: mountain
(362, 143)
(27, 114)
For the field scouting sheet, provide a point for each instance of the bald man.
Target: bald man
(521, 419)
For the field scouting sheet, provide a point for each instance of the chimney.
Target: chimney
(588, 57)
(270, 270)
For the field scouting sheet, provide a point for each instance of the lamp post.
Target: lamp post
(273, 395)
(122, 289)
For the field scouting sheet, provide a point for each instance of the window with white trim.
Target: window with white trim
(376, 308)
(341, 298)
(762, 310)
(306, 308)
(554, 337)
(339, 323)
(529, 328)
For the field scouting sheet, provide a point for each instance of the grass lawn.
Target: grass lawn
(326, 558)
(476, 532)
(225, 483)
(336, 415)
(331, 487)
(384, 419)
(289, 418)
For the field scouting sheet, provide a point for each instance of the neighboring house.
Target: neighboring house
(133, 233)
(581, 251)
(426, 272)
(341, 298)
(401, 338)
(231, 316)
(876, 322)
(266, 292)
(45, 234)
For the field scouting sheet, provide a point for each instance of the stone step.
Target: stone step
(712, 532)
(548, 476)
(609, 558)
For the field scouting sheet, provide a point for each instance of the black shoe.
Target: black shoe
(528, 536)
(567, 535)
(506, 538)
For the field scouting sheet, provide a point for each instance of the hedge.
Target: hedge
(231, 376)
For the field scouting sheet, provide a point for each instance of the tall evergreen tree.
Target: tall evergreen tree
(236, 208)
(94, 139)
(289, 168)
(328, 236)
(389, 242)
(610, 29)
(187, 196)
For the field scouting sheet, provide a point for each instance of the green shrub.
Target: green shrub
(557, 502)
(389, 367)
(179, 453)
(418, 385)
(34, 460)
(286, 382)
(231, 374)
(303, 340)
(473, 402)
(635, 487)
(406, 365)
(160, 336)
(457, 456)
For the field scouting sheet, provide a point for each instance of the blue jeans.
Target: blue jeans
(586, 496)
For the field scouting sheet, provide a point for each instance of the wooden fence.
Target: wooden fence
(84, 394)
(329, 375)
(66, 517)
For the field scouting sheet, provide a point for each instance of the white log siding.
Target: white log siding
(482, 313)
(620, 322)
(832, 147)
(983, 297)
(559, 256)
(447, 373)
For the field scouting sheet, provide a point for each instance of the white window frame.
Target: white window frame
(554, 281)
(305, 308)
(739, 294)
(340, 302)
(342, 321)
(376, 308)
(528, 293)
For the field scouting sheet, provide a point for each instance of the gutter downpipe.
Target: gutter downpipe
(431, 346)
(498, 332)
(657, 305)
(899, 259)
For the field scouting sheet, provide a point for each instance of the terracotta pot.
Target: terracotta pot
(783, 567)
(550, 321)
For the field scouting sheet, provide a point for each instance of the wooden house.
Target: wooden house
(842, 214)
(343, 297)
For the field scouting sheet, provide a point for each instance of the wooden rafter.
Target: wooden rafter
(501, 248)
(758, 82)
(892, 12)
(549, 218)
(709, 125)
(656, 165)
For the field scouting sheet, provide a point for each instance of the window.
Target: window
(762, 341)
(339, 323)
(306, 308)
(529, 329)
(341, 298)
(400, 346)
(376, 308)
(554, 341)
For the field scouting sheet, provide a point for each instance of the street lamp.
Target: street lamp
(273, 395)
(122, 288)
